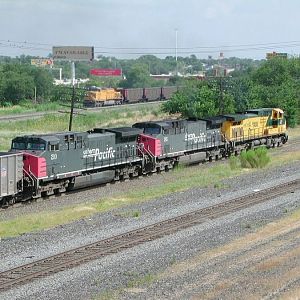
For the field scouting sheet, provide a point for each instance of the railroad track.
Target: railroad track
(35, 115)
(60, 262)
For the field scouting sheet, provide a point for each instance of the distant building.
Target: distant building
(69, 81)
(166, 77)
(276, 54)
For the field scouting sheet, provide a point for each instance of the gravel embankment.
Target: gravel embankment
(140, 264)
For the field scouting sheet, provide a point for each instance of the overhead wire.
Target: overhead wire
(34, 46)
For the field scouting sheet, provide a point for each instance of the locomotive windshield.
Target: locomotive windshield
(28, 144)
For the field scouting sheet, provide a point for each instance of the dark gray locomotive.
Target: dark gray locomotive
(70, 160)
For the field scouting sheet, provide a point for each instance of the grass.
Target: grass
(135, 283)
(257, 158)
(29, 106)
(60, 122)
(143, 280)
(293, 132)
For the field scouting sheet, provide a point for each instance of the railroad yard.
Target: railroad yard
(141, 161)
(250, 253)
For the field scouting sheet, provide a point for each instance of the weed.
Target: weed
(173, 260)
(107, 295)
(248, 226)
(179, 167)
(155, 113)
(136, 214)
(257, 158)
(143, 280)
(218, 185)
(234, 162)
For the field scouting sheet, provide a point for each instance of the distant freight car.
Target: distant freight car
(168, 91)
(132, 95)
(101, 97)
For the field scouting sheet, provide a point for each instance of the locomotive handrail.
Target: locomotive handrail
(31, 176)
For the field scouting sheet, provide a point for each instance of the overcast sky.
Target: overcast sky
(242, 28)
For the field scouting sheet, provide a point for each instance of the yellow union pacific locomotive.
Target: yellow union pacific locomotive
(102, 96)
(255, 124)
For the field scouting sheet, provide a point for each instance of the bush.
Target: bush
(254, 158)
(234, 162)
(263, 157)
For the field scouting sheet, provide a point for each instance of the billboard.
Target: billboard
(106, 72)
(276, 54)
(73, 53)
(41, 62)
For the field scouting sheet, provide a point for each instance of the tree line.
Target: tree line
(276, 83)
(271, 83)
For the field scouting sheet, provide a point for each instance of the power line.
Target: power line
(24, 45)
(271, 44)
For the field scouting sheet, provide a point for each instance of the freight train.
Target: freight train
(96, 97)
(42, 165)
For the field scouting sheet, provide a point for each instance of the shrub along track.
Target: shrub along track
(56, 263)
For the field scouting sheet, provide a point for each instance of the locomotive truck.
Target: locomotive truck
(40, 165)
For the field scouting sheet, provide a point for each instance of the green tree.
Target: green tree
(277, 85)
(199, 99)
(138, 76)
(16, 87)
(43, 82)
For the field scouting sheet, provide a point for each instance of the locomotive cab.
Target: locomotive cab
(28, 143)
(167, 135)
(273, 119)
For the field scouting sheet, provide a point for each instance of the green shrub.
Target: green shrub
(257, 158)
(263, 157)
(234, 162)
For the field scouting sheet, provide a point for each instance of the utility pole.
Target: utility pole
(221, 95)
(73, 97)
(35, 94)
(176, 32)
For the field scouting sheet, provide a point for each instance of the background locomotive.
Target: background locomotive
(109, 96)
(41, 165)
